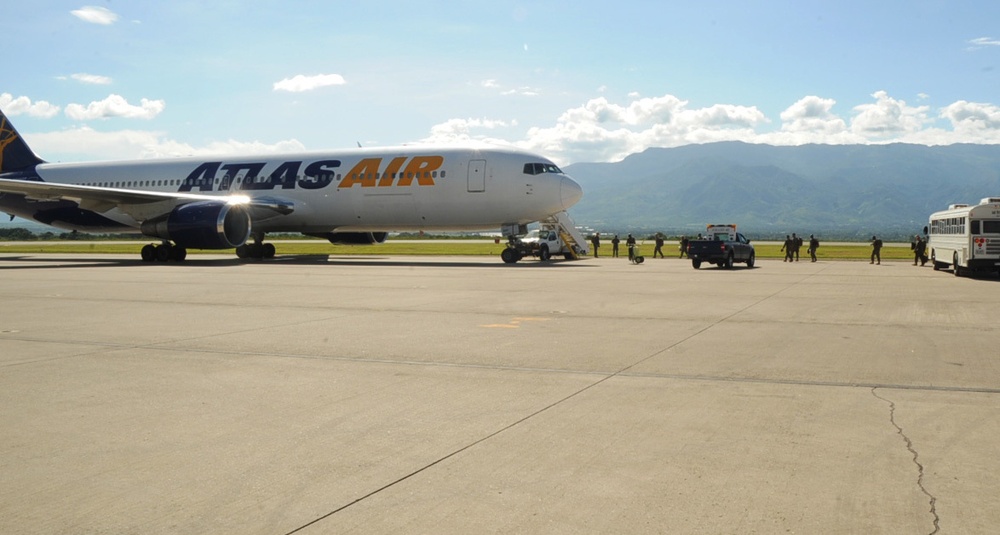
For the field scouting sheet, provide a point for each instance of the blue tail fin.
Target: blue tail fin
(14, 152)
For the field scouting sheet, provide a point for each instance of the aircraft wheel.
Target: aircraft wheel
(268, 250)
(508, 256)
(243, 251)
(162, 252)
(148, 252)
(255, 251)
(178, 254)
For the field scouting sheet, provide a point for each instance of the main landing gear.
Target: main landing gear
(257, 250)
(163, 252)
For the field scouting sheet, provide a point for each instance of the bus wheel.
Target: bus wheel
(954, 263)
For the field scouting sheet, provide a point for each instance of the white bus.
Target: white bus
(965, 237)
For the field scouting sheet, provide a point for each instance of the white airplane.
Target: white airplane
(348, 196)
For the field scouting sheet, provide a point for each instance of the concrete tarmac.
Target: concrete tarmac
(462, 395)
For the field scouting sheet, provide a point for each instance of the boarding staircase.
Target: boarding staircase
(568, 234)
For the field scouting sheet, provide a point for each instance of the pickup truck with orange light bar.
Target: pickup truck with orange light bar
(723, 246)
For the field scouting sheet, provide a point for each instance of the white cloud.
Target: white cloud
(888, 118)
(984, 41)
(603, 131)
(23, 105)
(812, 115)
(300, 83)
(115, 106)
(523, 91)
(455, 130)
(95, 15)
(489, 83)
(974, 121)
(91, 79)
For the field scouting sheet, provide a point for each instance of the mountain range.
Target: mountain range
(840, 190)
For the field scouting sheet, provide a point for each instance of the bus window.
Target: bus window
(991, 227)
(974, 226)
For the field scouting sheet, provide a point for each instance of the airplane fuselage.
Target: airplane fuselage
(371, 189)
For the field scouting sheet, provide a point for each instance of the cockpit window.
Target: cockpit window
(539, 168)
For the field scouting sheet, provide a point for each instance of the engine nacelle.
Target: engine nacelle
(202, 225)
(353, 238)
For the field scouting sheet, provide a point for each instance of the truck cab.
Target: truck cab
(723, 246)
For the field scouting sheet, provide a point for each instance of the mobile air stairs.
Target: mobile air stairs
(568, 233)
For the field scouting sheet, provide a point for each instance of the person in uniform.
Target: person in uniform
(630, 244)
(596, 242)
(787, 248)
(813, 245)
(659, 245)
(614, 246)
(876, 251)
(919, 251)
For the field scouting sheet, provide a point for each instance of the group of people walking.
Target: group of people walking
(630, 244)
(792, 245)
(595, 243)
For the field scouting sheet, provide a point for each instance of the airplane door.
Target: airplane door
(477, 176)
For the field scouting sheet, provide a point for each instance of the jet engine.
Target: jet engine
(353, 238)
(202, 225)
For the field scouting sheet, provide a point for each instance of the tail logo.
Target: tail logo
(7, 136)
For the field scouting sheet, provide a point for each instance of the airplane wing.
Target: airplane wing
(138, 204)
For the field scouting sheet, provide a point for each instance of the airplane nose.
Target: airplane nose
(570, 192)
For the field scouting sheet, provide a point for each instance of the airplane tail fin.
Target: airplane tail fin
(15, 155)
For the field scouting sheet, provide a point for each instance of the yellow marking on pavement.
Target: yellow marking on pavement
(514, 323)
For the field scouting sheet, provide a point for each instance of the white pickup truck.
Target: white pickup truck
(542, 243)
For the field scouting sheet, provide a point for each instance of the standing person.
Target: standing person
(684, 246)
(659, 245)
(787, 248)
(876, 251)
(614, 246)
(919, 251)
(596, 242)
(813, 245)
(630, 243)
(796, 245)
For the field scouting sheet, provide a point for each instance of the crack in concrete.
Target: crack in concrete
(916, 461)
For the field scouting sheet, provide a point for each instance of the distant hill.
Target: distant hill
(844, 190)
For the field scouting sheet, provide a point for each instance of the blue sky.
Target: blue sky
(576, 81)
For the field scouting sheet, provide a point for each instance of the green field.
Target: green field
(860, 251)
